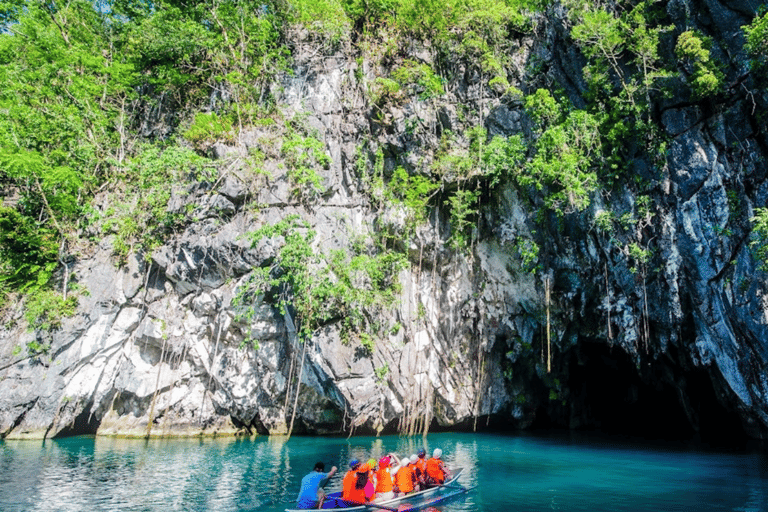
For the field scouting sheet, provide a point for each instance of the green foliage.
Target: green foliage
(381, 373)
(759, 242)
(34, 348)
(385, 89)
(608, 38)
(542, 108)
(46, 308)
(28, 251)
(59, 95)
(693, 49)
(480, 31)
(463, 208)
(624, 73)
(304, 156)
(10, 10)
(248, 341)
(367, 342)
(490, 161)
(604, 221)
(186, 49)
(421, 75)
(600, 34)
(483, 163)
(501, 156)
(324, 18)
(734, 203)
(318, 287)
(208, 128)
(640, 255)
(563, 165)
(141, 220)
(413, 192)
(756, 34)
(528, 250)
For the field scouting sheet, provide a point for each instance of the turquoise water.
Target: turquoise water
(509, 473)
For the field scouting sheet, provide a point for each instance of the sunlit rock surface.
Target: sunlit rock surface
(157, 346)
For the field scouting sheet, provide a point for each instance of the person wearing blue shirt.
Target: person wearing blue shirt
(311, 494)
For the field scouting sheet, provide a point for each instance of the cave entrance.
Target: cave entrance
(609, 393)
(84, 423)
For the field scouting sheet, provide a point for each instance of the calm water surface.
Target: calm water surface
(509, 473)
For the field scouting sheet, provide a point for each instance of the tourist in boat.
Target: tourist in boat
(384, 478)
(421, 468)
(357, 494)
(436, 471)
(311, 493)
(348, 484)
(412, 464)
(404, 478)
(370, 486)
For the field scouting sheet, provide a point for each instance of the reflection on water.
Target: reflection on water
(524, 473)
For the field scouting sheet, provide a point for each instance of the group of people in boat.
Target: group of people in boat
(389, 477)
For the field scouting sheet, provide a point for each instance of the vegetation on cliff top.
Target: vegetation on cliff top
(77, 79)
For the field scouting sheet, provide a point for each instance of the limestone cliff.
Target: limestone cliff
(593, 338)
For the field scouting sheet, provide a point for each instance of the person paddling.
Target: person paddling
(311, 493)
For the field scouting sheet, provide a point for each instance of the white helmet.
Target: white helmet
(414, 458)
(437, 453)
(405, 461)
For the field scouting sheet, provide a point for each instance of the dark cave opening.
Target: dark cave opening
(609, 393)
(84, 424)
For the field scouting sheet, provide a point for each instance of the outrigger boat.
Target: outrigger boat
(426, 498)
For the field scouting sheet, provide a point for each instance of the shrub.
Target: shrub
(705, 75)
(46, 308)
(208, 128)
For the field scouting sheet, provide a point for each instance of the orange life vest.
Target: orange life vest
(357, 495)
(404, 479)
(421, 463)
(359, 483)
(435, 470)
(348, 484)
(383, 480)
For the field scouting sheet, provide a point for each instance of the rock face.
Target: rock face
(591, 340)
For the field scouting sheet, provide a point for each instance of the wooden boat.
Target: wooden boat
(425, 498)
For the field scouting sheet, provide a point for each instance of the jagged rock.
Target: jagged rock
(170, 345)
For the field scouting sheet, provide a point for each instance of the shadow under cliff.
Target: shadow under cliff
(608, 392)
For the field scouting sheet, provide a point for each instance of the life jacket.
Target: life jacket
(404, 479)
(415, 469)
(357, 493)
(348, 484)
(383, 480)
(421, 464)
(435, 470)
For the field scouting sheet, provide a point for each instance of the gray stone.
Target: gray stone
(465, 336)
